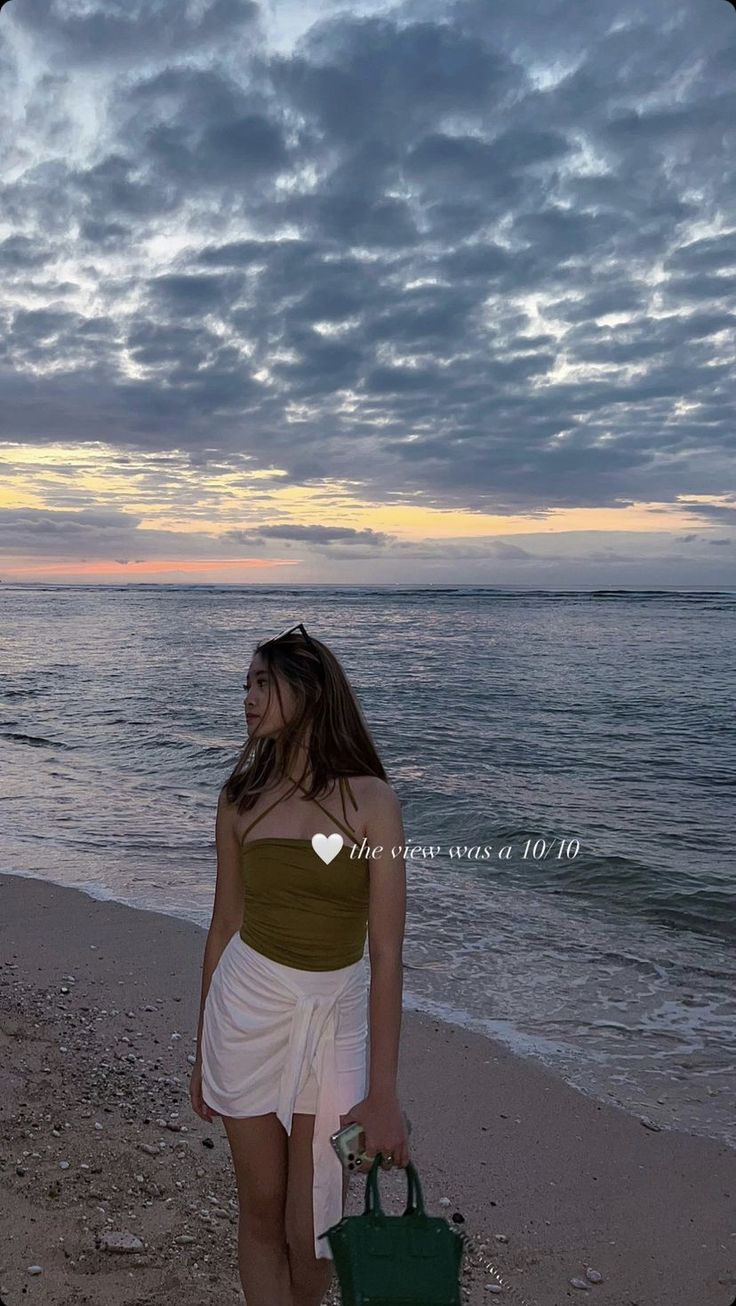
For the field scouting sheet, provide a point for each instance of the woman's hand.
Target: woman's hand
(384, 1127)
(199, 1105)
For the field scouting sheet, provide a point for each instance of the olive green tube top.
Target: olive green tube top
(297, 910)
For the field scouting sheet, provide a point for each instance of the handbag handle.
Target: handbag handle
(414, 1195)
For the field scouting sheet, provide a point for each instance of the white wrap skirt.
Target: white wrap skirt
(275, 1038)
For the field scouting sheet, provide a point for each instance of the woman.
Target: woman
(282, 1045)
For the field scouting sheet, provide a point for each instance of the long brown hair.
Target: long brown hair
(340, 743)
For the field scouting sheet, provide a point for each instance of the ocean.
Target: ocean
(566, 763)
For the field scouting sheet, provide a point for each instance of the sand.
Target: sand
(98, 1015)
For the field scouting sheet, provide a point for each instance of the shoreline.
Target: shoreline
(570, 1182)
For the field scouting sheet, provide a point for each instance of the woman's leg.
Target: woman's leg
(311, 1275)
(259, 1150)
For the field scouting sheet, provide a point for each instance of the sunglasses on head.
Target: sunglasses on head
(290, 631)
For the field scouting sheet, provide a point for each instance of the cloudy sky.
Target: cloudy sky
(426, 292)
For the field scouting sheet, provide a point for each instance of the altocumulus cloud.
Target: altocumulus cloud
(481, 255)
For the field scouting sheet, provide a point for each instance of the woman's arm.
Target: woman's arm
(386, 921)
(227, 909)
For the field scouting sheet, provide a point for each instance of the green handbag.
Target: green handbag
(396, 1260)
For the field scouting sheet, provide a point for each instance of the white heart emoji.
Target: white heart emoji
(327, 847)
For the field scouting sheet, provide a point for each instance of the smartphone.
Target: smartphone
(349, 1144)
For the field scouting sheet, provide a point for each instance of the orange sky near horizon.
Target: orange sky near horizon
(158, 498)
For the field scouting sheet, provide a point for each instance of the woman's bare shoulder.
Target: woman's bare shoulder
(372, 791)
(371, 794)
(226, 812)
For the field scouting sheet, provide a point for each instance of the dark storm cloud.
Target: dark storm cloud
(105, 533)
(120, 31)
(18, 253)
(187, 295)
(479, 256)
(714, 511)
(319, 535)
